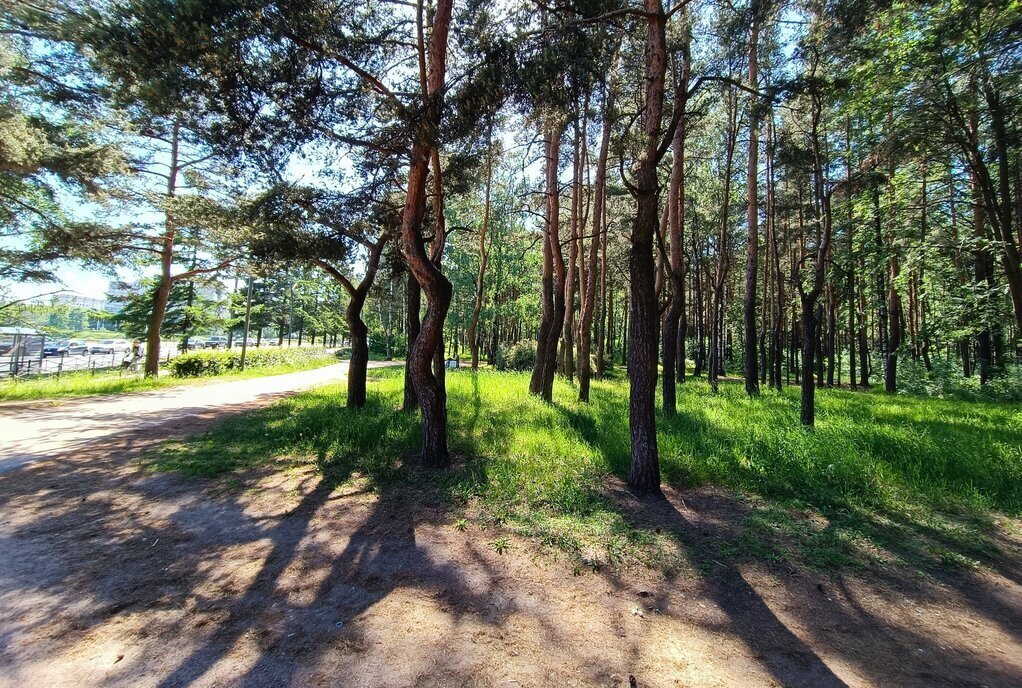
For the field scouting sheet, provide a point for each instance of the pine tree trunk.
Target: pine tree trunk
(644, 474)
(473, 340)
(597, 242)
(161, 297)
(359, 363)
(752, 263)
(437, 288)
(554, 240)
(413, 306)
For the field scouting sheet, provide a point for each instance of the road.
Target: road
(40, 432)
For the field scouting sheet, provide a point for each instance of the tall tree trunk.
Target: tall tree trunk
(984, 279)
(644, 474)
(568, 347)
(606, 297)
(895, 325)
(161, 296)
(674, 322)
(437, 288)
(812, 312)
(716, 364)
(809, 337)
(778, 334)
(998, 196)
(852, 305)
(559, 273)
(697, 283)
(597, 242)
(473, 340)
(752, 263)
(546, 295)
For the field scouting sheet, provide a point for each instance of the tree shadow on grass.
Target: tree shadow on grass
(789, 659)
(927, 535)
(828, 617)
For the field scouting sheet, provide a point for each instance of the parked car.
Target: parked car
(109, 346)
(65, 347)
(215, 342)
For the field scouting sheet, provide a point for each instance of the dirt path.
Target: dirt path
(112, 577)
(38, 431)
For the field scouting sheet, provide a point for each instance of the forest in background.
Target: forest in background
(811, 193)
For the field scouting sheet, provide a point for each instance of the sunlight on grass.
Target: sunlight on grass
(898, 479)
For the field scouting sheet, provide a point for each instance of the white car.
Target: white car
(109, 346)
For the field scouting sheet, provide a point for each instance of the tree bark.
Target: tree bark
(568, 346)
(473, 341)
(358, 365)
(597, 241)
(437, 288)
(752, 252)
(644, 474)
(161, 296)
(674, 322)
(413, 306)
(553, 145)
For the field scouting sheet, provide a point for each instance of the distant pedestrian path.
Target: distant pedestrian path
(41, 432)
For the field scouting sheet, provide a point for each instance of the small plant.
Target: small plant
(500, 545)
(461, 524)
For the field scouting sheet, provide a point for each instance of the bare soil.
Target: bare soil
(110, 576)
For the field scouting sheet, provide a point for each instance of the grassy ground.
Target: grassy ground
(85, 384)
(883, 480)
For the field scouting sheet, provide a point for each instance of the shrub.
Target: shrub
(210, 363)
(945, 381)
(204, 363)
(519, 356)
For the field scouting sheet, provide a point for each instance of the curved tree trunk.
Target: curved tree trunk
(429, 390)
(161, 297)
(358, 365)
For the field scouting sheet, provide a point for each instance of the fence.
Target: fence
(23, 359)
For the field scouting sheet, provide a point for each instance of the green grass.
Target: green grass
(86, 384)
(882, 480)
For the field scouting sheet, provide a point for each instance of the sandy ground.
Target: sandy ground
(36, 431)
(112, 577)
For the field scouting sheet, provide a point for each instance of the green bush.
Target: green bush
(945, 381)
(519, 356)
(211, 363)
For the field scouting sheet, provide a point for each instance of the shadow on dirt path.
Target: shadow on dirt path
(285, 575)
